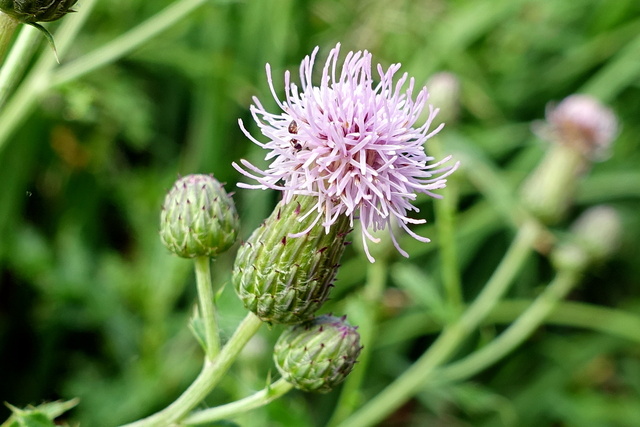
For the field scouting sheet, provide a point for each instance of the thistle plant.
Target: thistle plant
(353, 147)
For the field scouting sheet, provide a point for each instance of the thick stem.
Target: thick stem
(207, 306)
(8, 27)
(261, 398)
(41, 78)
(211, 374)
(38, 80)
(413, 378)
(17, 61)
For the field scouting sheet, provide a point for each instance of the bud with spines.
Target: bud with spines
(198, 218)
(285, 279)
(317, 355)
(31, 11)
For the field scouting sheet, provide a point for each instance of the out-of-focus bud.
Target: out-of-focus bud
(583, 123)
(595, 236)
(285, 279)
(198, 218)
(318, 355)
(580, 130)
(31, 11)
(444, 92)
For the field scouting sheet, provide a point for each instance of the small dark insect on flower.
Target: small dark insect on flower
(293, 128)
(31, 11)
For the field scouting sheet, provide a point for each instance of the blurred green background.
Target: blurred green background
(92, 305)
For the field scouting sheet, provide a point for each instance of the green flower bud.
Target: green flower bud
(31, 11)
(198, 218)
(318, 355)
(286, 279)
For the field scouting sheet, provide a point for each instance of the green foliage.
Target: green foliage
(92, 305)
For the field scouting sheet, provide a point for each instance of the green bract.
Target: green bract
(198, 218)
(285, 279)
(318, 355)
(31, 11)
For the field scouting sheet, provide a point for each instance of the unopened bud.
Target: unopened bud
(582, 123)
(595, 236)
(580, 130)
(198, 218)
(31, 11)
(318, 355)
(286, 279)
(444, 91)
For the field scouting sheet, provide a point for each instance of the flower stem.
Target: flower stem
(8, 27)
(445, 210)
(413, 378)
(38, 79)
(211, 374)
(42, 78)
(207, 306)
(369, 302)
(17, 60)
(256, 400)
(515, 334)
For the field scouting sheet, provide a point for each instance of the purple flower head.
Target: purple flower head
(351, 142)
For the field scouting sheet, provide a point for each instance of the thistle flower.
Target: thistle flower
(317, 355)
(351, 143)
(198, 218)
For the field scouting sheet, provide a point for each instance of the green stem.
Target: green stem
(570, 314)
(127, 42)
(8, 27)
(207, 306)
(17, 61)
(211, 374)
(38, 79)
(373, 291)
(261, 398)
(515, 334)
(413, 378)
(41, 78)
(445, 210)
